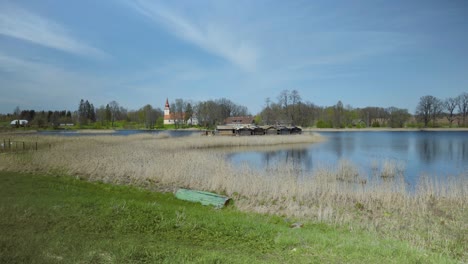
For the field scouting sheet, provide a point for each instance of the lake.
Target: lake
(434, 153)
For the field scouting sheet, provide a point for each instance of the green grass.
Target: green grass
(45, 219)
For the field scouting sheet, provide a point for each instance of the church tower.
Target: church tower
(167, 114)
(167, 109)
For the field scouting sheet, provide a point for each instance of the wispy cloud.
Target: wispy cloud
(21, 24)
(207, 35)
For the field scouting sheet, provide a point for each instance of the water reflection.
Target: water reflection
(429, 149)
(434, 153)
(299, 158)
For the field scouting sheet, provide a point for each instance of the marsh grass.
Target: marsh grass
(433, 215)
(64, 220)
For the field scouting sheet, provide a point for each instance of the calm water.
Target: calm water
(434, 153)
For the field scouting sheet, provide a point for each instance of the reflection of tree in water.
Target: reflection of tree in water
(463, 152)
(268, 157)
(428, 148)
(342, 143)
(299, 158)
(400, 142)
(337, 146)
(449, 148)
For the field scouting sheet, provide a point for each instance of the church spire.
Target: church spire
(167, 103)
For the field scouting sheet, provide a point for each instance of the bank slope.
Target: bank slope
(48, 219)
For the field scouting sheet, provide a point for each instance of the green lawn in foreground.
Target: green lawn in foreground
(45, 219)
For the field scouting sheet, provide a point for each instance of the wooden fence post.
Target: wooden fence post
(36, 145)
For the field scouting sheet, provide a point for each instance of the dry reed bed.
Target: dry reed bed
(433, 216)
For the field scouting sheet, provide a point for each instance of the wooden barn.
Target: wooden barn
(294, 130)
(239, 120)
(282, 130)
(269, 130)
(225, 130)
(244, 131)
(258, 131)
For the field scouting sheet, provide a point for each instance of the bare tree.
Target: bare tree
(437, 109)
(211, 113)
(188, 114)
(283, 99)
(463, 106)
(295, 100)
(424, 110)
(101, 114)
(266, 114)
(148, 116)
(338, 113)
(283, 102)
(178, 109)
(114, 111)
(17, 111)
(450, 104)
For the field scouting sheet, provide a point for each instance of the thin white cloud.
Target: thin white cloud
(18, 23)
(207, 35)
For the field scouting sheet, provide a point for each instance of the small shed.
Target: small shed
(294, 130)
(258, 131)
(282, 130)
(225, 130)
(269, 130)
(244, 131)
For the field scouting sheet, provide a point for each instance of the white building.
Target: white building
(20, 122)
(172, 118)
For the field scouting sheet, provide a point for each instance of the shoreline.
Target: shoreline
(461, 129)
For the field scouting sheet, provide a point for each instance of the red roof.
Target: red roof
(242, 120)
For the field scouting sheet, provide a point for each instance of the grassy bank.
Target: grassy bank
(63, 220)
(433, 217)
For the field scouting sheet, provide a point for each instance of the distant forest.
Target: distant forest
(289, 109)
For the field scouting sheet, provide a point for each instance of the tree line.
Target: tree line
(288, 109)
(432, 110)
(208, 113)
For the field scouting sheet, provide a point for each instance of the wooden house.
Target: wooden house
(239, 120)
(244, 131)
(294, 130)
(225, 130)
(282, 130)
(269, 130)
(258, 131)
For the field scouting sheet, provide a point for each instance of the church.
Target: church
(179, 118)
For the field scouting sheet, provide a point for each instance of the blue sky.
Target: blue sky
(137, 52)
